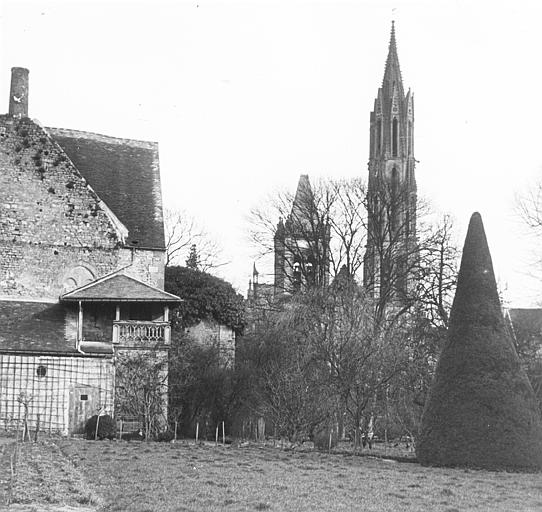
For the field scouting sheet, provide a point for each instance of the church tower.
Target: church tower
(301, 244)
(390, 256)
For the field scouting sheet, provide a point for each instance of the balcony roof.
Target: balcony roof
(118, 288)
(38, 328)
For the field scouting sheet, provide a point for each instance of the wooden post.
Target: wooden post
(197, 432)
(115, 325)
(80, 325)
(175, 435)
(330, 434)
(97, 425)
(223, 434)
(167, 328)
(37, 428)
(120, 433)
(216, 437)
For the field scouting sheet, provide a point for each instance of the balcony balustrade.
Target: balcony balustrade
(135, 332)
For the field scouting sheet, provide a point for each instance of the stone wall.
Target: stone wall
(209, 333)
(147, 265)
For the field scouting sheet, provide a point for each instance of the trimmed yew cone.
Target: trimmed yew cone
(481, 411)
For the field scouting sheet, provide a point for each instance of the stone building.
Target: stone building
(81, 266)
(391, 238)
(301, 244)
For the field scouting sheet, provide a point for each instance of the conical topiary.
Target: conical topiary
(481, 411)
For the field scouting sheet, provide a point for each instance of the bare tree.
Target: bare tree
(182, 232)
(363, 357)
(378, 341)
(142, 389)
(437, 274)
(348, 222)
(323, 356)
(529, 206)
(318, 230)
(385, 231)
(285, 381)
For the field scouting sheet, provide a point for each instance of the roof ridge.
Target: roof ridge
(67, 132)
(113, 275)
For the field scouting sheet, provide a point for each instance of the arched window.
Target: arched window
(77, 276)
(410, 138)
(394, 207)
(378, 137)
(395, 136)
(296, 278)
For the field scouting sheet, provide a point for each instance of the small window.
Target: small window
(41, 371)
(84, 398)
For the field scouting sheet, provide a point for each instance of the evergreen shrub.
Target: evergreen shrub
(107, 427)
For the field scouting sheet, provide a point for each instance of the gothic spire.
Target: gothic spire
(303, 205)
(303, 193)
(392, 73)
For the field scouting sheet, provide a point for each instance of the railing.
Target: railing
(138, 332)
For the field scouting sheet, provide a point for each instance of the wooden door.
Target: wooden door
(84, 403)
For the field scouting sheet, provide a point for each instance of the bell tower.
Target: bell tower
(391, 193)
(302, 244)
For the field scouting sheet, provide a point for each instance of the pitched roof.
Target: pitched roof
(36, 327)
(303, 206)
(303, 194)
(526, 320)
(126, 176)
(118, 288)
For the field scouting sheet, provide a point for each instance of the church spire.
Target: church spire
(391, 182)
(392, 72)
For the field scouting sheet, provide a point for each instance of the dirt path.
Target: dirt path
(45, 481)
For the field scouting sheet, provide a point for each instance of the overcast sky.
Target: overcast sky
(245, 96)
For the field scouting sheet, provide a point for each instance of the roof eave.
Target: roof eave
(119, 299)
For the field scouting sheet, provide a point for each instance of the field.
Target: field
(145, 477)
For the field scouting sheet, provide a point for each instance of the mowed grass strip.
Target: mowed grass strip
(45, 477)
(145, 477)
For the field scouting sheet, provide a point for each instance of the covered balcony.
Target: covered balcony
(120, 311)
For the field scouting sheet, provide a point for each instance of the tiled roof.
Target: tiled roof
(119, 288)
(34, 327)
(126, 176)
(527, 319)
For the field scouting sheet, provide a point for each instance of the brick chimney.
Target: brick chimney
(18, 94)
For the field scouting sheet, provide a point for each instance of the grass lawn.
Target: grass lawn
(138, 477)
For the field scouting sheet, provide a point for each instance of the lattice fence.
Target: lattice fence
(54, 388)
